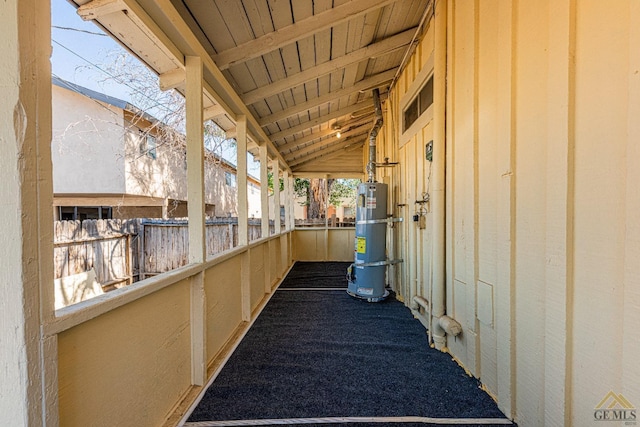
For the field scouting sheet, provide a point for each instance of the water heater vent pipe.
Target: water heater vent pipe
(371, 166)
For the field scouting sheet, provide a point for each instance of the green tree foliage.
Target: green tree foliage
(344, 191)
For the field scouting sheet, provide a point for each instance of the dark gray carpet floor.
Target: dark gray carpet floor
(322, 353)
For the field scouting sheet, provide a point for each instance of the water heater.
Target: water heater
(367, 275)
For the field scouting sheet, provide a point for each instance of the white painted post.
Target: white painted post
(241, 150)
(292, 208)
(326, 218)
(195, 202)
(195, 159)
(276, 195)
(26, 364)
(264, 189)
(287, 201)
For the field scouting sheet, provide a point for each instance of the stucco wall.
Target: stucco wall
(87, 146)
(543, 161)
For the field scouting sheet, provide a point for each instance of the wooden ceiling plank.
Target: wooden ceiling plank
(365, 84)
(213, 24)
(303, 10)
(375, 49)
(239, 26)
(296, 31)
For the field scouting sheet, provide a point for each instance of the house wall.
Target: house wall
(542, 236)
(95, 150)
(87, 145)
(165, 176)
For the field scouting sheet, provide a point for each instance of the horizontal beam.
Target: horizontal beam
(327, 150)
(215, 110)
(172, 79)
(314, 136)
(297, 31)
(310, 148)
(344, 175)
(322, 119)
(366, 84)
(376, 49)
(97, 8)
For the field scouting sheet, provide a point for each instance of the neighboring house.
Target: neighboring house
(112, 161)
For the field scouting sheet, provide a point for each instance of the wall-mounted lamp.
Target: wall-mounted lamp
(338, 135)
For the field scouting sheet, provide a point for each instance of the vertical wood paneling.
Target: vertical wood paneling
(601, 129)
(487, 180)
(531, 134)
(631, 280)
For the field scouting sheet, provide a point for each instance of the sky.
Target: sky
(79, 52)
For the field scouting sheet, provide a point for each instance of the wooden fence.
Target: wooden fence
(106, 246)
(124, 251)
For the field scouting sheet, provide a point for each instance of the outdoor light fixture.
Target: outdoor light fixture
(338, 135)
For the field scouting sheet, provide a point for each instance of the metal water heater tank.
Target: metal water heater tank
(367, 275)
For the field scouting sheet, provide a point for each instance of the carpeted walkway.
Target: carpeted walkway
(320, 353)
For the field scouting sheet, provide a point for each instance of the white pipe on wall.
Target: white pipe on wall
(449, 325)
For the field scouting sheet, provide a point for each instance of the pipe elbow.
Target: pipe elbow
(450, 326)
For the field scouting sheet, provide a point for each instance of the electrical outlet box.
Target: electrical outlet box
(429, 150)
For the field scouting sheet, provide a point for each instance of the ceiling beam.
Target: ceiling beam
(98, 8)
(328, 150)
(363, 85)
(376, 49)
(172, 79)
(322, 134)
(299, 30)
(325, 142)
(322, 119)
(215, 110)
(345, 174)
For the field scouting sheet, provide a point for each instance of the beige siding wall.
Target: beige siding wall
(324, 244)
(543, 241)
(135, 360)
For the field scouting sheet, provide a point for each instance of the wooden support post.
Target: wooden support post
(326, 218)
(264, 189)
(241, 147)
(141, 257)
(292, 206)
(195, 159)
(195, 203)
(276, 196)
(287, 201)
